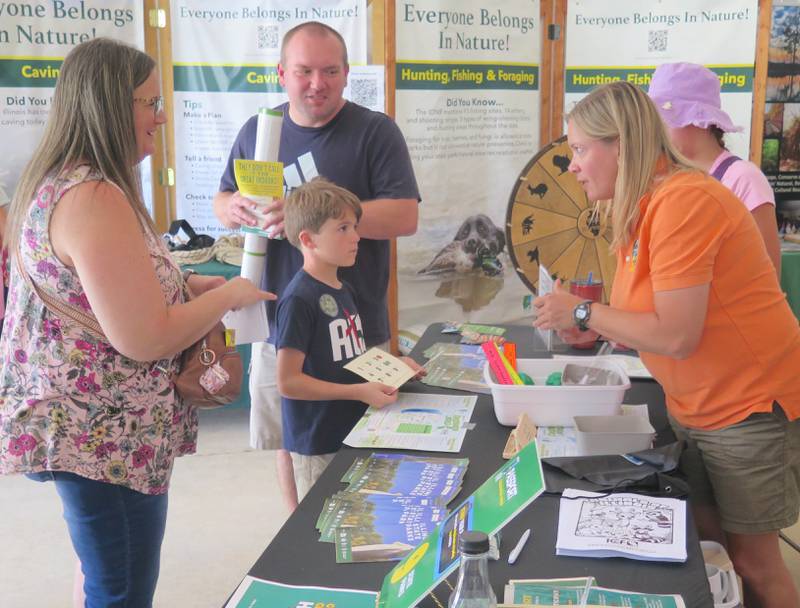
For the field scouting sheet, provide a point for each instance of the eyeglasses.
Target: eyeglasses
(157, 103)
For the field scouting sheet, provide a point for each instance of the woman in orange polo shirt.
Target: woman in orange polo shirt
(695, 294)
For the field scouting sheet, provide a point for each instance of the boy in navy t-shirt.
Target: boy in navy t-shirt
(319, 331)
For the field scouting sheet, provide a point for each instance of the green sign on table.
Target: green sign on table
(515, 485)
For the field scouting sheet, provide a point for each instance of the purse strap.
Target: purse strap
(59, 307)
(69, 311)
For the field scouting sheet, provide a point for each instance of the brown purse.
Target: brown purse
(210, 373)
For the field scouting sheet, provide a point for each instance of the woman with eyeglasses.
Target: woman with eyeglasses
(100, 417)
(694, 292)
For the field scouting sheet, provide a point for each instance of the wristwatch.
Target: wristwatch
(187, 273)
(582, 313)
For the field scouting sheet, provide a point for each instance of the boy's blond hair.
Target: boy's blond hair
(314, 203)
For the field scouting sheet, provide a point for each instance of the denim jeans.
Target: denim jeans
(117, 534)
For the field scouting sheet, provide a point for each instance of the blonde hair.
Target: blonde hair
(318, 29)
(623, 112)
(90, 123)
(314, 203)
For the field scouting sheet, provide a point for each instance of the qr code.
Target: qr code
(657, 41)
(267, 37)
(364, 91)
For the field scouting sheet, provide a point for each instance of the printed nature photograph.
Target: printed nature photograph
(770, 150)
(783, 71)
(790, 153)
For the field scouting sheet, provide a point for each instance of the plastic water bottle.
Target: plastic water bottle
(473, 588)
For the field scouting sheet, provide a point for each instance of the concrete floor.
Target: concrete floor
(224, 510)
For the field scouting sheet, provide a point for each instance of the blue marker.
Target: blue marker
(589, 280)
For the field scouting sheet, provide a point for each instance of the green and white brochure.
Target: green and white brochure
(582, 591)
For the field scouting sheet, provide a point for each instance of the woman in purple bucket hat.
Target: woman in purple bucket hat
(687, 96)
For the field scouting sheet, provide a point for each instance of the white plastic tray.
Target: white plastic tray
(555, 405)
(596, 435)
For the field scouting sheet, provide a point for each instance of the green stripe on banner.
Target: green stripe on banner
(29, 73)
(734, 79)
(226, 78)
(459, 76)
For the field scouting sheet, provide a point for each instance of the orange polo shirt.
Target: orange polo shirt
(693, 231)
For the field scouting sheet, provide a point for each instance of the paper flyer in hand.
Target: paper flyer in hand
(259, 178)
(377, 365)
(259, 593)
(545, 287)
(499, 499)
(249, 324)
(416, 421)
(621, 525)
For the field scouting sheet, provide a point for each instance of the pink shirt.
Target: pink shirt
(746, 181)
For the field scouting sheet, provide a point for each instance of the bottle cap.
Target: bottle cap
(473, 542)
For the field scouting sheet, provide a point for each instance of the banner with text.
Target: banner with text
(467, 100)
(34, 39)
(225, 55)
(628, 39)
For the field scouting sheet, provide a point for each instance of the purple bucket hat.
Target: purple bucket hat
(688, 94)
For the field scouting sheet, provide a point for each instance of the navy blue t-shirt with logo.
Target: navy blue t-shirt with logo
(323, 323)
(360, 150)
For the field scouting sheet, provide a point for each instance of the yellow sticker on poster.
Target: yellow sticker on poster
(259, 177)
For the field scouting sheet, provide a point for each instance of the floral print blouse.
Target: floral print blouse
(69, 401)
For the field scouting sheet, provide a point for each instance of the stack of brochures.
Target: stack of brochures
(393, 501)
(621, 525)
(456, 366)
(581, 592)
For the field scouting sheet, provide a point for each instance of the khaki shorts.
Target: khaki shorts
(750, 471)
(266, 429)
(307, 470)
(266, 424)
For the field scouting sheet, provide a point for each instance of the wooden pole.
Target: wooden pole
(553, 15)
(760, 80)
(158, 44)
(390, 61)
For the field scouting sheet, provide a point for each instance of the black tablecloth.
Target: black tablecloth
(296, 557)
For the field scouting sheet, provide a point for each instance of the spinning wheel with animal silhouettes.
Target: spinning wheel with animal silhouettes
(550, 221)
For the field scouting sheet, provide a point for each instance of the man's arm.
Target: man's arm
(232, 210)
(387, 218)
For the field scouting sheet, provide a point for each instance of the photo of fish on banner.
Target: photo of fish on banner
(472, 265)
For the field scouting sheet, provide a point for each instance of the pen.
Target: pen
(512, 557)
